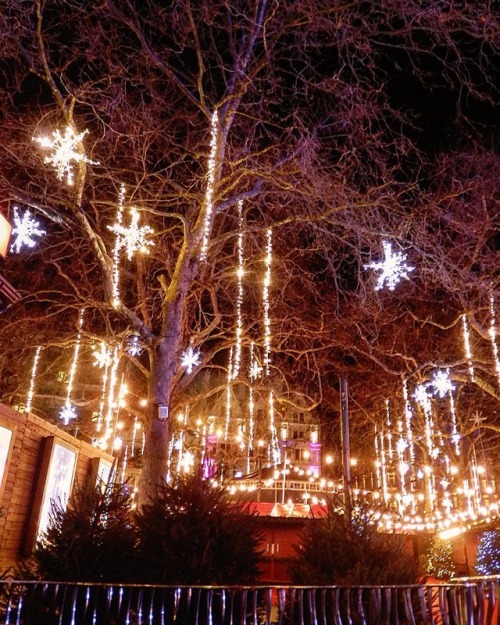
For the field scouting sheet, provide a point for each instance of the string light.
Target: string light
(68, 412)
(493, 336)
(265, 297)
(116, 249)
(212, 159)
(251, 406)
(228, 395)
(467, 349)
(190, 359)
(105, 362)
(392, 269)
(25, 230)
(31, 390)
(66, 150)
(239, 301)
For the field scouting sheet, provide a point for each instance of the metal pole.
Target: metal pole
(346, 451)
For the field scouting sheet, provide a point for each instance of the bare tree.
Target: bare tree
(296, 110)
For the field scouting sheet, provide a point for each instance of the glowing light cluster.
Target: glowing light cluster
(392, 269)
(26, 230)
(265, 298)
(66, 149)
(212, 160)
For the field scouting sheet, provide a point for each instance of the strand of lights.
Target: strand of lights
(116, 249)
(183, 418)
(455, 436)
(103, 360)
(66, 150)
(493, 336)
(378, 459)
(467, 349)
(265, 297)
(68, 411)
(389, 429)
(383, 467)
(25, 230)
(228, 395)
(392, 269)
(275, 446)
(124, 464)
(403, 467)
(113, 381)
(239, 302)
(31, 390)
(422, 398)
(251, 406)
(408, 423)
(214, 125)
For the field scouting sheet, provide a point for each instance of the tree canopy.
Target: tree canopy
(336, 126)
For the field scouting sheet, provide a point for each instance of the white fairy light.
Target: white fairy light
(68, 411)
(493, 336)
(239, 301)
(134, 346)
(31, 390)
(102, 357)
(190, 359)
(106, 362)
(133, 238)
(251, 408)
(228, 395)
(467, 349)
(265, 298)
(389, 429)
(66, 150)
(392, 269)
(408, 423)
(116, 249)
(442, 383)
(25, 231)
(210, 185)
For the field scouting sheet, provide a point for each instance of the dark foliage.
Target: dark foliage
(338, 550)
(93, 540)
(191, 534)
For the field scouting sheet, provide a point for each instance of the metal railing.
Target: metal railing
(52, 603)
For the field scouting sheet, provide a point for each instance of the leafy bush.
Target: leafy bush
(347, 549)
(191, 534)
(92, 540)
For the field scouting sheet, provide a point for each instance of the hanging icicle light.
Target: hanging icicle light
(26, 230)
(116, 249)
(393, 268)
(239, 301)
(467, 348)
(265, 298)
(493, 336)
(68, 412)
(31, 390)
(66, 151)
(214, 124)
(228, 395)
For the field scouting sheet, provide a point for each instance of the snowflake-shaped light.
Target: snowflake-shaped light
(25, 229)
(134, 237)
(421, 396)
(190, 359)
(255, 370)
(134, 347)
(102, 357)
(66, 150)
(442, 383)
(392, 269)
(67, 413)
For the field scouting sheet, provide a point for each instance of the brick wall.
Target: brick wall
(23, 477)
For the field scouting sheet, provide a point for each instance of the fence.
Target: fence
(52, 603)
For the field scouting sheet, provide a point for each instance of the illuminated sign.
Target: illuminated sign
(5, 230)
